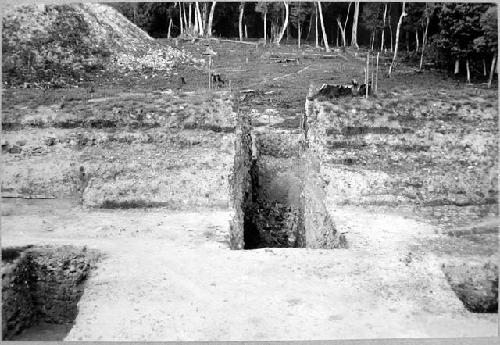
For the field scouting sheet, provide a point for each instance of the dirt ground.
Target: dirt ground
(168, 273)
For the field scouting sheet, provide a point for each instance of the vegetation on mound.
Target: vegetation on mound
(61, 45)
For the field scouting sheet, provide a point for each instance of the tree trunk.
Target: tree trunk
(298, 28)
(484, 68)
(407, 39)
(417, 41)
(310, 27)
(383, 29)
(492, 70)
(190, 16)
(211, 19)
(424, 41)
(316, 26)
(403, 14)
(373, 39)
(354, 31)
(283, 28)
(345, 24)
(200, 19)
(240, 20)
(467, 69)
(169, 28)
(184, 15)
(136, 5)
(180, 19)
(342, 32)
(343, 28)
(246, 31)
(298, 34)
(367, 73)
(265, 27)
(325, 38)
(204, 14)
(390, 28)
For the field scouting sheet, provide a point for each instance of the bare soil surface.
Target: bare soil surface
(168, 273)
(171, 276)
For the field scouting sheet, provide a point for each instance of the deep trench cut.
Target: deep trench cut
(273, 219)
(277, 193)
(41, 287)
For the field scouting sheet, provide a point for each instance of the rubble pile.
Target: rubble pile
(61, 45)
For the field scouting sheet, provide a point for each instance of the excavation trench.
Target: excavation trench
(41, 287)
(277, 194)
(475, 285)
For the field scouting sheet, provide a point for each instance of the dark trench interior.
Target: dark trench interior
(41, 287)
(270, 221)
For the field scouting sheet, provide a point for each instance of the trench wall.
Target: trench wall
(319, 227)
(278, 213)
(277, 189)
(241, 182)
(43, 284)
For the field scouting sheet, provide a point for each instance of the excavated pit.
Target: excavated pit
(277, 192)
(41, 287)
(275, 217)
(475, 285)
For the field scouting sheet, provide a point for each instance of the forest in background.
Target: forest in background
(458, 37)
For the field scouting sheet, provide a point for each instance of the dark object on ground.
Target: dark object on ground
(217, 80)
(362, 90)
(183, 81)
(338, 90)
(5, 146)
(91, 91)
(42, 284)
(15, 149)
(286, 60)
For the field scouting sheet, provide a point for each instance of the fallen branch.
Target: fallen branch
(285, 60)
(309, 56)
(19, 196)
(242, 42)
(289, 74)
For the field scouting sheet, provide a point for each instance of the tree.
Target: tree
(487, 44)
(299, 11)
(413, 22)
(211, 19)
(354, 31)
(342, 28)
(371, 19)
(429, 9)
(263, 8)
(403, 14)
(325, 38)
(198, 19)
(240, 20)
(460, 29)
(285, 25)
(316, 25)
(383, 28)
